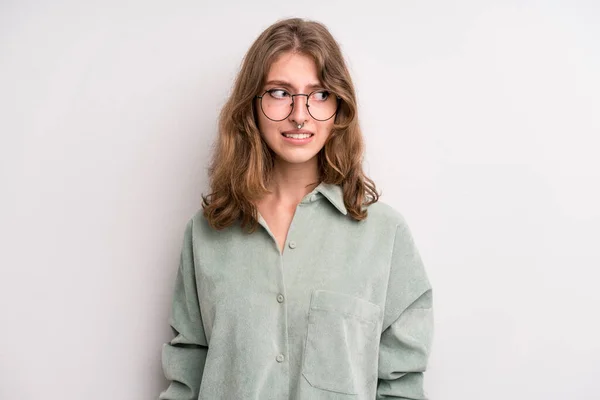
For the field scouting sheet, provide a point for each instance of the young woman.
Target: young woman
(294, 281)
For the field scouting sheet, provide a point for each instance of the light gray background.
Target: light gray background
(481, 120)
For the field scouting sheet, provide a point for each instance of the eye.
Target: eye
(278, 93)
(321, 95)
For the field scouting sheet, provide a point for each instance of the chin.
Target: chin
(296, 158)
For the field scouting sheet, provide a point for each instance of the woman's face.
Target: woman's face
(293, 73)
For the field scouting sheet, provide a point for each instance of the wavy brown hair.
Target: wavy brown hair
(242, 162)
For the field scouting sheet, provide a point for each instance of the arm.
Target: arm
(184, 356)
(408, 324)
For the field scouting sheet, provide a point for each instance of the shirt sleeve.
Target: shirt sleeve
(183, 358)
(408, 323)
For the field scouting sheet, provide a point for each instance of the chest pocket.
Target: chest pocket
(342, 341)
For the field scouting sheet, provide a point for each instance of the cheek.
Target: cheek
(325, 129)
(268, 130)
(266, 127)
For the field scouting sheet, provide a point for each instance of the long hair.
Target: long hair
(242, 162)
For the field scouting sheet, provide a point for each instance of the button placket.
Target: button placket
(281, 299)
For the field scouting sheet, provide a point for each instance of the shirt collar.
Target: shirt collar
(334, 194)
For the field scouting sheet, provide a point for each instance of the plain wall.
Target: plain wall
(482, 126)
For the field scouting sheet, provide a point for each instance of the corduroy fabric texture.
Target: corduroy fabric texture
(344, 312)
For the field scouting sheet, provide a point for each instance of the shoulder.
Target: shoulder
(199, 227)
(197, 218)
(383, 213)
(384, 222)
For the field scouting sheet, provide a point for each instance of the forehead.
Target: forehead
(298, 69)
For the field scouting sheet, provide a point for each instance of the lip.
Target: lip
(298, 141)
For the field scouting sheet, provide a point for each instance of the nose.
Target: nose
(300, 111)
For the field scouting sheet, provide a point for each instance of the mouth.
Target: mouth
(297, 134)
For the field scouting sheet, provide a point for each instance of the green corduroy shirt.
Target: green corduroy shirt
(344, 312)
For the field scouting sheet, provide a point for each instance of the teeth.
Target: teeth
(297, 135)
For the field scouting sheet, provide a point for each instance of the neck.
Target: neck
(291, 182)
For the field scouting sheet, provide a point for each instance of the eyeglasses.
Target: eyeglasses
(278, 104)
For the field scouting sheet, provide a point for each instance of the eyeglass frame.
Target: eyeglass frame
(338, 98)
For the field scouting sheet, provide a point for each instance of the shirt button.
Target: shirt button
(292, 244)
(279, 358)
(280, 298)
(313, 198)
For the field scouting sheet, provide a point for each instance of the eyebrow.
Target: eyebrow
(289, 85)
